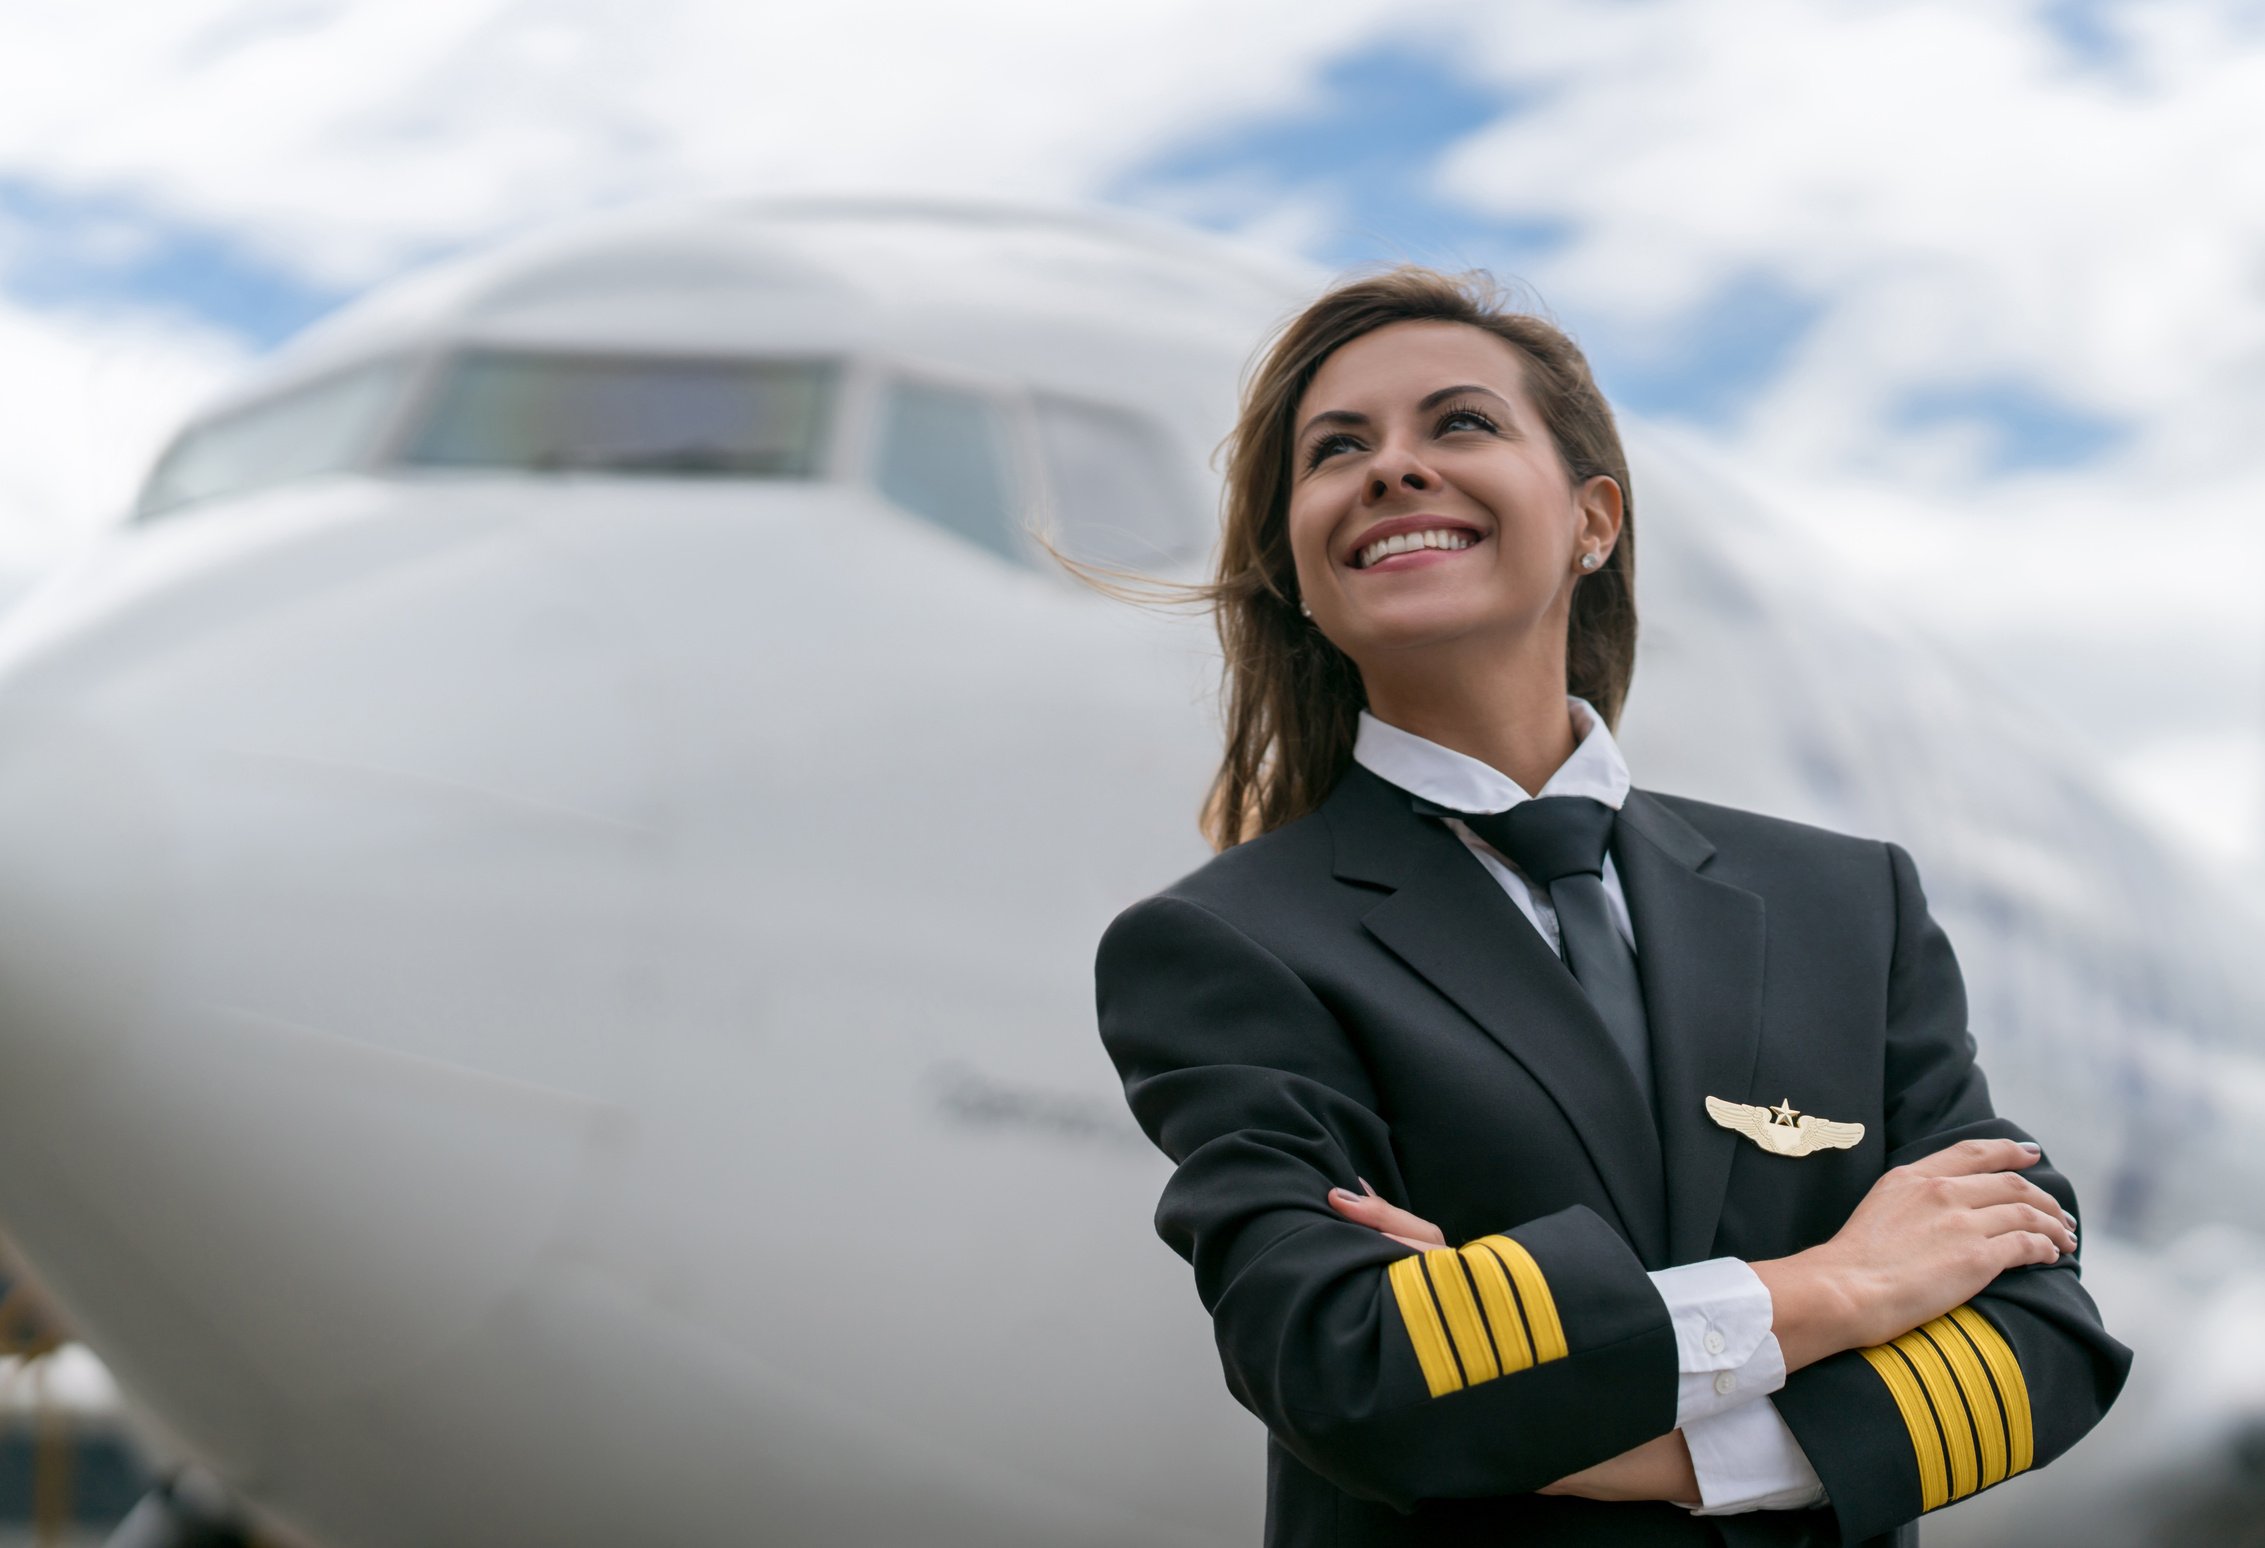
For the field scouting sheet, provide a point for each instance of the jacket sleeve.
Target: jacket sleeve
(2006, 1382)
(1493, 1368)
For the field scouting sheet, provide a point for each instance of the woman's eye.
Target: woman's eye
(1327, 446)
(1471, 416)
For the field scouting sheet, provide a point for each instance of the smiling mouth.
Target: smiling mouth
(1448, 538)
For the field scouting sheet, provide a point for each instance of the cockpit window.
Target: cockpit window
(675, 417)
(942, 454)
(1118, 496)
(319, 427)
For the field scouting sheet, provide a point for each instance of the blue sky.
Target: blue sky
(95, 251)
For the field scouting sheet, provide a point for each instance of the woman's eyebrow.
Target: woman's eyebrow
(1431, 400)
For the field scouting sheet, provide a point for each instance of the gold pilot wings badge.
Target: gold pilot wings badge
(1783, 1131)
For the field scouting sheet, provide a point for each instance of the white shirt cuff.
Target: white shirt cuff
(1747, 1459)
(1725, 1354)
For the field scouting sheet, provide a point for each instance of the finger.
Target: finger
(1378, 1215)
(2016, 1248)
(2038, 1199)
(1978, 1155)
(1388, 1218)
(1999, 1219)
(1987, 1188)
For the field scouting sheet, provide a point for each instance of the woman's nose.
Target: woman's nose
(1405, 474)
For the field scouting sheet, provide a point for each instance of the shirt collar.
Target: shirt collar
(1422, 767)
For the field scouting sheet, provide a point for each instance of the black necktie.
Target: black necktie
(1559, 842)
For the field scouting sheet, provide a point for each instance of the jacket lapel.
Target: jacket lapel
(1450, 922)
(1699, 954)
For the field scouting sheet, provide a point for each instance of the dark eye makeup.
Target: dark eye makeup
(1324, 446)
(1455, 411)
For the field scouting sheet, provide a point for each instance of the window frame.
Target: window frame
(1009, 404)
(1054, 509)
(835, 369)
(368, 455)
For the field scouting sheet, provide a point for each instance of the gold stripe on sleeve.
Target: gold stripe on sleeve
(1422, 1317)
(1515, 1350)
(2013, 1392)
(1918, 1418)
(1950, 1409)
(1981, 1397)
(1533, 1294)
(1453, 1292)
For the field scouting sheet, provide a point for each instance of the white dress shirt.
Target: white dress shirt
(1727, 1358)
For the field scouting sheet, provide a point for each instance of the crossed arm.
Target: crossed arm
(1927, 1237)
(1937, 1343)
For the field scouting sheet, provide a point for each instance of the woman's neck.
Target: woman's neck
(1511, 720)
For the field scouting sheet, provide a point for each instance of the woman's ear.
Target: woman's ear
(1601, 513)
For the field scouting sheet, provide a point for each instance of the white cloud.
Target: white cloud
(86, 402)
(2181, 779)
(342, 138)
(1968, 202)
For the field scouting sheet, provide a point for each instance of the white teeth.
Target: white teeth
(1400, 543)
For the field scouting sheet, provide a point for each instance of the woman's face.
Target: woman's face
(1422, 432)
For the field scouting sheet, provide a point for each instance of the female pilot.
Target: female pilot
(1560, 1161)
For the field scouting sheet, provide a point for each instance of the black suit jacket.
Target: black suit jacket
(1352, 996)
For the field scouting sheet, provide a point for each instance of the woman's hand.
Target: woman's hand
(1657, 1470)
(1926, 1238)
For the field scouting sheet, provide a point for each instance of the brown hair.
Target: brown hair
(1291, 698)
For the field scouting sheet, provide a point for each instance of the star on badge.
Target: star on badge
(1784, 1130)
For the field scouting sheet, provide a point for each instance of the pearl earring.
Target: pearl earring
(1306, 608)
(1590, 561)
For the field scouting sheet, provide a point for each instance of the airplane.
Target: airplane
(549, 874)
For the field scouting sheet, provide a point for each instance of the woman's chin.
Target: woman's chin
(1416, 624)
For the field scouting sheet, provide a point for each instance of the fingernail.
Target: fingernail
(1346, 1194)
(1364, 1184)
(2071, 1219)
(2031, 1146)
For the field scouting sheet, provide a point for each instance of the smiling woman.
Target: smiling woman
(1688, 1199)
(1291, 722)
(1473, 472)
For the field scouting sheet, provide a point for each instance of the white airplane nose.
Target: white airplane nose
(89, 900)
(84, 880)
(266, 837)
